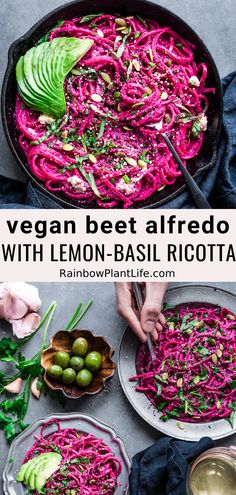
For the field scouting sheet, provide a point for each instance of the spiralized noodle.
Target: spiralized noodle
(193, 377)
(88, 465)
(126, 91)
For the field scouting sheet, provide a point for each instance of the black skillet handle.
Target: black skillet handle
(199, 199)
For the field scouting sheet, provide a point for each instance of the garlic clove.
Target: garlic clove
(14, 387)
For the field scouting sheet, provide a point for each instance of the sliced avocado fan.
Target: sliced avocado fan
(35, 473)
(41, 73)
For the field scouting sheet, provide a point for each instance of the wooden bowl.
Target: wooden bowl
(62, 341)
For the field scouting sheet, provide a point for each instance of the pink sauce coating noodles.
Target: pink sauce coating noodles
(194, 375)
(88, 465)
(152, 84)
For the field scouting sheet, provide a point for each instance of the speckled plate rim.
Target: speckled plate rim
(126, 368)
(85, 423)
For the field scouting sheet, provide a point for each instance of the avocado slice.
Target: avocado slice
(45, 470)
(30, 470)
(38, 75)
(41, 464)
(41, 73)
(31, 478)
(21, 474)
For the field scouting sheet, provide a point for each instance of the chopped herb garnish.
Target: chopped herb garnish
(126, 179)
(46, 36)
(129, 70)
(137, 34)
(56, 126)
(102, 127)
(231, 418)
(143, 155)
(43, 39)
(121, 48)
(89, 177)
(60, 23)
(142, 21)
(203, 351)
(196, 129)
(84, 72)
(90, 17)
(55, 448)
(159, 388)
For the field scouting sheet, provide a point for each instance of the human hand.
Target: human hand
(150, 319)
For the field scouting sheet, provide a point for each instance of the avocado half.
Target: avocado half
(41, 73)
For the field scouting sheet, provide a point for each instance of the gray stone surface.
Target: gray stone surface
(213, 20)
(110, 405)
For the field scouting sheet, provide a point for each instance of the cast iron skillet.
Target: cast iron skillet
(206, 157)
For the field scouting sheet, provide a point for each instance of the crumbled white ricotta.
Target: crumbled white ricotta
(46, 119)
(122, 186)
(77, 183)
(203, 122)
(194, 81)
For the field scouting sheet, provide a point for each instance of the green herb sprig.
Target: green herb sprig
(13, 411)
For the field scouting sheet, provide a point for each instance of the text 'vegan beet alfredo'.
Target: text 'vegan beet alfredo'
(131, 82)
(193, 377)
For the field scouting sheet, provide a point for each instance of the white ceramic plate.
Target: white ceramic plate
(82, 423)
(126, 368)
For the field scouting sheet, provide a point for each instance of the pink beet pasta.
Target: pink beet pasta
(130, 87)
(194, 375)
(88, 465)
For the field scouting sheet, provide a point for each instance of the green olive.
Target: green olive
(69, 376)
(93, 361)
(84, 378)
(77, 363)
(80, 347)
(55, 371)
(62, 359)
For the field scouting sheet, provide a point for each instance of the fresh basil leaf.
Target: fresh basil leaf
(165, 305)
(196, 129)
(142, 21)
(87, 18)
(159, 388)
(89, 177)
(51, 129)
(231, 418)
(161, 405)
(43, 39)
(102, 127)
(203, 351)
(184, 320)
(121, 48)
(85, 72)
(129, 70)
(60, 22)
